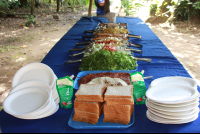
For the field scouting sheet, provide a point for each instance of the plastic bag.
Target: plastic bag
(139, 88)
(64, 87)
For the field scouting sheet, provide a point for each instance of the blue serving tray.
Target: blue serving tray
(100, 124)
(83, 73)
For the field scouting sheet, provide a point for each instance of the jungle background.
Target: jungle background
(28, 34)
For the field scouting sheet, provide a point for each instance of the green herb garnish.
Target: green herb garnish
(105, 60)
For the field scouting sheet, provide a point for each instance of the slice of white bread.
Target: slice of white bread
(87, 117)
(119, 101)
(118, 113)
(92, 107)
(119, 92)
(91, 92)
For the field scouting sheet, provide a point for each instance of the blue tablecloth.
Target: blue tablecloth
(163, 64)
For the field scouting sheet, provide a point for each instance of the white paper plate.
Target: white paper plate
(44, 112)
(34, 71)
(172, 113)
(32, 83)
(26, 100)
(175, 105)
(172, 109)
(178, 117)
(171, 93)
(176, 80)
(157, 119)
(49, 113)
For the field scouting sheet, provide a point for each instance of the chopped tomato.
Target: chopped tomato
(110, 48)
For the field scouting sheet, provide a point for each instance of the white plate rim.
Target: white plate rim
(15, 80)
(174, 77)
(194, 96)
(171, 122)
(175, 117)
(13, 113)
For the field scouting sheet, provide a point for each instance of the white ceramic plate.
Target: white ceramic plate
(34, 71)
(171, 93)
(172, 109)
(178, 117)
(175, 105)
(32, 83)
(157, 119)
(26, 100)
(176, 80)
(172, 113)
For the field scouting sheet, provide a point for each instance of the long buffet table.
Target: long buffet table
(163, 64)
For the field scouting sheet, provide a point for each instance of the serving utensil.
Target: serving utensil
(79, 60)
(111, 35)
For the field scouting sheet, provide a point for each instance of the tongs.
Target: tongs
(111, 35)
(82, 48)
(128, 44)
(89, 49)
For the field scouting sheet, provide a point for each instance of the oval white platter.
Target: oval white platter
(172, 109)
(26, 100)
(178, 117)
(171, 93)
(176, 80)
(157, 119)
(34, 71)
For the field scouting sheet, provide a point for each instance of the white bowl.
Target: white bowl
(34, 71)
(176, 80)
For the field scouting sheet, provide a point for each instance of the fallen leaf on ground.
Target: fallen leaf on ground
(192, 65)
(24, 46)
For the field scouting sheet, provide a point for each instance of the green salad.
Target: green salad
(105, 60)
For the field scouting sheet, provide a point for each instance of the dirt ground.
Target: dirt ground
(21, 45)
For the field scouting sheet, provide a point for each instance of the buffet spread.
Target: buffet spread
(107, 88)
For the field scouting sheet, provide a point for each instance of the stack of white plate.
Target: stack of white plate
(33, 93)
(172, 100)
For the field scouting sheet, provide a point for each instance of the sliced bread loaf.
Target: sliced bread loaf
(92, 107)
(119, 101)
(119, 92)
(91, 92)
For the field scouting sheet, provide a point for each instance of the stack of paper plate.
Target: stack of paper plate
(173, 102)
(34, 93)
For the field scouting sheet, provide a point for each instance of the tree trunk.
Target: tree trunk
(32, 6)
(58, 5)
(107, 6)
(90, 8)
(49, 1)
